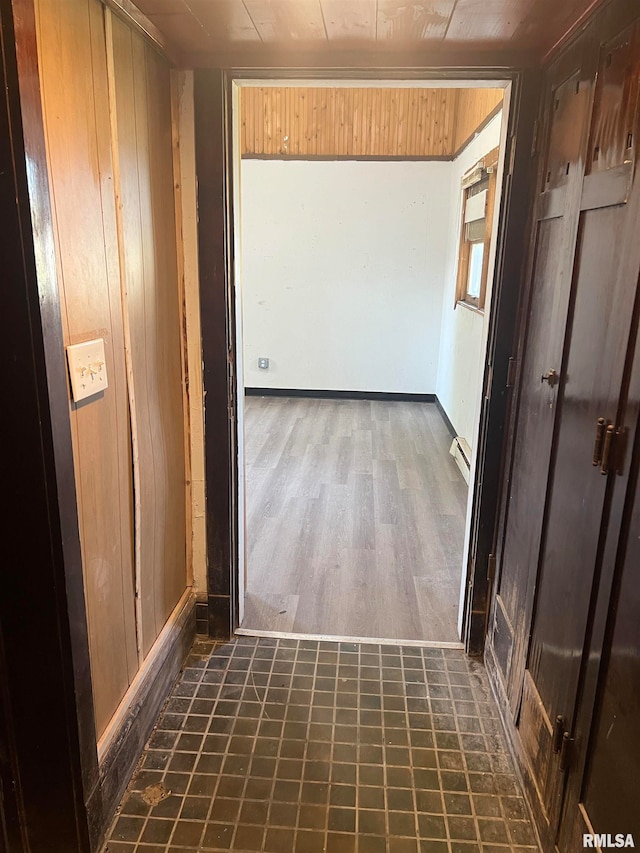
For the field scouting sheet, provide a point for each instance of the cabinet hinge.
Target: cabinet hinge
(491, 567)
(620, 449)
(566, 752)
(610, 447)
(511, 372)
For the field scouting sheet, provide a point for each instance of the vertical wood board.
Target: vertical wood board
(74, 85)
(361, 122)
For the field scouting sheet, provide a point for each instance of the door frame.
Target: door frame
(213, 96)
(42, 605)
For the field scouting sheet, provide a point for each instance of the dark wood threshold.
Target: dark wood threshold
(340, 395)
(133, 723)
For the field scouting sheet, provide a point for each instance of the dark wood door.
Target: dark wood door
(610, 800)
(602, 796)
(593, 391)
(561, 176)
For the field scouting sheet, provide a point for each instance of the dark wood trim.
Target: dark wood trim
(213, 163)
(139, 23)
(43, 627)
(202, 615)
(573, 32)
(445, 418)
(509, 281)
(309, 61)
(148, 697)
(214, 168)
(216, 307)
(494, 112)
(520, 764)
(373, 158)
(339, 395)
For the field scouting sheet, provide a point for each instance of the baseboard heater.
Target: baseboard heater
(461, 452)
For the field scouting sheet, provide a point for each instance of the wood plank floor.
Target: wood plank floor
(355, 519)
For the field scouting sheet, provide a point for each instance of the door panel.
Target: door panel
(561, 181)
(594, 372)
(537, 413)
(601, 797)
(568, 111)
(611, 798)
(615, 105)
(593, 386)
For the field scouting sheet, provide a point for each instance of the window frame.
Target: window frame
(487, 167)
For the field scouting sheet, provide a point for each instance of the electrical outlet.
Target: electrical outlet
(263, 363)
(87, 369)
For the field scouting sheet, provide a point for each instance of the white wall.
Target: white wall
(343, 264)
(461, 362)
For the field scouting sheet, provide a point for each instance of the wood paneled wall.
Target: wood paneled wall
(144, 156)
(81, 176)
(474, 105)
(108, 132)
(361, 122)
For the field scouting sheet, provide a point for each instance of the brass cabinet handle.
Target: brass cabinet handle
(606, 449)
(551, 377)
(597, 447)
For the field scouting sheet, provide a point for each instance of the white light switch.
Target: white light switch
(87, 369)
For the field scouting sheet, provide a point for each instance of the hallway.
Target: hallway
(355, 519)
(305, 746)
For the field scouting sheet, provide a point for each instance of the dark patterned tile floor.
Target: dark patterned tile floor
(300, 746)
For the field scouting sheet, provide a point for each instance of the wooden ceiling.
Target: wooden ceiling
(236, 32)
(287, 122)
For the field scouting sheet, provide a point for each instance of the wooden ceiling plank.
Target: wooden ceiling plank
(401, 20)
(549, 17)
(371, 102)
(286, 20)
(350, 19)
(184, 31)
(488, 20)
(224, 21)
(412, 124)
(276, 125)
(267, 126)
(161, 7)
(218, 33)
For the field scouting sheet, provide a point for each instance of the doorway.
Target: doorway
(355, 492)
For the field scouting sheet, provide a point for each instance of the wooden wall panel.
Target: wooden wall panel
(346, 122)
(361, 122)
(474, 105)
(143, 153)
(107, 107)
(74, 85)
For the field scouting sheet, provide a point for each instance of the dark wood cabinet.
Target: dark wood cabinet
(563, 644)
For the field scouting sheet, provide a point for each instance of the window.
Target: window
(478, 196)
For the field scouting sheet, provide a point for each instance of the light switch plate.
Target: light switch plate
(87, 369)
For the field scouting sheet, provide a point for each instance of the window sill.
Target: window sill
(462, 304)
